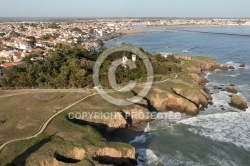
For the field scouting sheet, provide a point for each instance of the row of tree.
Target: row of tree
(69, 67)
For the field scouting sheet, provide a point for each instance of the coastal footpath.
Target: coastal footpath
(84, 141)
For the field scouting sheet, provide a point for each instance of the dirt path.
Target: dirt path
(46, 123)
(28, 91)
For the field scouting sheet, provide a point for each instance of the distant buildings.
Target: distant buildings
(100, 33)
(8, 65)
(165, 54)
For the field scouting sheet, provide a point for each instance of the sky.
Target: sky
(125, 8)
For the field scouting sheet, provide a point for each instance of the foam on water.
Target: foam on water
(236, 65)
(230, 127)
(234, 75)
(147, 157)
(207, 75)
(139, 139)
(148, 128)
(232, 63)
(221, 98)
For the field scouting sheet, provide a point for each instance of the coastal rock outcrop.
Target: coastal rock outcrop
(105, 121)
(71, 153)
(217, 88)
(137, 115)
(175, 103)
(231, 89)
(41, 161)
(231, 67)
(200, 80)
(238, 102)
(224, 67)
(117, 121)
(242, 65)
(195, 97)
(51, 161)
(108, 155)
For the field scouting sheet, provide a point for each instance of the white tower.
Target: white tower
(134, 57)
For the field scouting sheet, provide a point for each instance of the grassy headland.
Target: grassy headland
(177, 86)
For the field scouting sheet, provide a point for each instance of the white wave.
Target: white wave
(235, 65)
(221, 98)
(234, 75)
(139, 139)
(243, 87)
(207, 74)
(152, 158)
(185, 51)
(147, 157)
(216, 70)
(230, 127)
(177, 159)
(147, 129)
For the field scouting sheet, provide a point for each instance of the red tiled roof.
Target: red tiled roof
(10, 64)
(4, 59)
(18, 54)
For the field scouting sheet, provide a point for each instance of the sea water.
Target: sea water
(220, 135)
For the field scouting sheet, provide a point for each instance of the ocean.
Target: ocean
(220, 135)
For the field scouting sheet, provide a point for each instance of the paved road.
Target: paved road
(45, 123)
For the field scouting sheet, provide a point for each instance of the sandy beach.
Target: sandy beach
(134, 31)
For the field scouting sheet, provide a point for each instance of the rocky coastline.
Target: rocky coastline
(184, 93)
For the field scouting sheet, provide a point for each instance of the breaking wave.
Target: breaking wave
(230, 127)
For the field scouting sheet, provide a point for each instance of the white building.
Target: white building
(25, 47)
(165, 54)
(17, 57)
(99, 33)
(134, 57)
(124, 59)
(40, 44)
(5, 54)
(110, 24)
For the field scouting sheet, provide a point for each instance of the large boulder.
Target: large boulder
(238, 102)
(242, 65)
(217, 88)
(231, 89)
(231, 67)
(224, 68)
